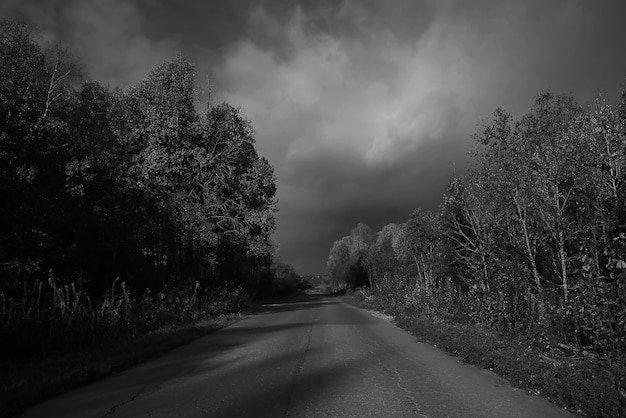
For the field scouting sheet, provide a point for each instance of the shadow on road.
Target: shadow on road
(230, 354)
(300, 301)
(314, 299)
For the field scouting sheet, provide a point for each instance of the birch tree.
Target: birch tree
(557, 156)
(422, 234)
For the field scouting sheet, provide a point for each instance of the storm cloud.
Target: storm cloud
(365, 109)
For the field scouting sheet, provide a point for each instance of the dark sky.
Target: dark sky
(364, 108)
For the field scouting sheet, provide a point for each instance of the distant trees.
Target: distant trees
(282, 279)
(136, 184)
(532, 237)
(351, 258)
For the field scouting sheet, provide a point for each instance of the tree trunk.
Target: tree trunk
(563, 260)
(540, 307)
(369, 277)
(485, 272)
(419, 273)
(521, 216)
(531, 257)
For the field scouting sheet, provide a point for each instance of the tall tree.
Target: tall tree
(361, 249)
(385, 260)
(557, 170)
(469, 220)
(505, 158)
(338, 263)
(36, 103)
(422, 234)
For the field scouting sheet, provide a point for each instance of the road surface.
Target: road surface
(316, 357)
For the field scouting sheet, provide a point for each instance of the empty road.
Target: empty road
(315, 357)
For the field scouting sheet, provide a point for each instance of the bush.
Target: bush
(595, 315)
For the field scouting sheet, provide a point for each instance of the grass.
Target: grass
(28, 383)
(584, 383)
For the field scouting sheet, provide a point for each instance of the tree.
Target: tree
(601, 129)
(385, 259)
(557, 169)
(361, 246)
(422, 234)
(201, 177)
(36, 147)
(338, 263)
(235, 186)
(468, 216)
(503, 155)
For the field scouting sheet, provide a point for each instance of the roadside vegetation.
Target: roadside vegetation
(130, 221)
(522, 268)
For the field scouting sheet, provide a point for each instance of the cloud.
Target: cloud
(376, 97)
(107, 35)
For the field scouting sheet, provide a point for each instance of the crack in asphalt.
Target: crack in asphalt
(112, 410)
(373, 346)
(408, 394)
(298, 371)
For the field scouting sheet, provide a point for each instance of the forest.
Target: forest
(122, 210)
(531, 240)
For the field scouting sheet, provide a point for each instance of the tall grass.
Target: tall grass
(49, 318)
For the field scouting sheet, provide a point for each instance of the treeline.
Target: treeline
(101, 184)
(531, 239)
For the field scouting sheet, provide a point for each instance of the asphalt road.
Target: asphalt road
(316, 357)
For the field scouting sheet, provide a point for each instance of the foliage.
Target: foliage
(596, 317)
(280, 279)
(351, 258)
